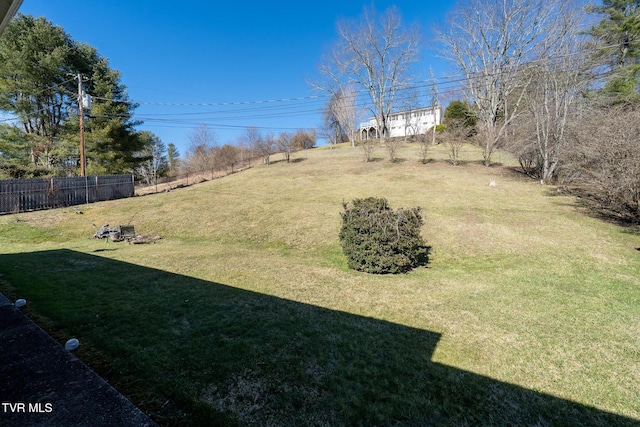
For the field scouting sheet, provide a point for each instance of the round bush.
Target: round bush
(377, 239)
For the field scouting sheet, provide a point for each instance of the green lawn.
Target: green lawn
(245, 312)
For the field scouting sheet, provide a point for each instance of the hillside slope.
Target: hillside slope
(245, 310)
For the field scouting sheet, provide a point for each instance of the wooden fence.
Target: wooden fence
(20, 195)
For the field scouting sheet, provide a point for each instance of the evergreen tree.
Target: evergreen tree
(39, 65)
(617, 38)
(173, 157)
(14, 153)
(35, 82)
(460, 111)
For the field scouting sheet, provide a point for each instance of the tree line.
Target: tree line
(205, 153)
(44, 74)
(554, 82)
(40, 65)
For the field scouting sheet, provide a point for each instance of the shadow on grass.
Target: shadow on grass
(291, 160)
(590, 204)
(399, 160)
(423, 259)
(191, 352)
(374, 159)
(480, 162)
(517, 173)
(584, 201)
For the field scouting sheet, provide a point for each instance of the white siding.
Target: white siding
(404, 123)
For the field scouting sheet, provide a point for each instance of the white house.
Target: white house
(404, 123)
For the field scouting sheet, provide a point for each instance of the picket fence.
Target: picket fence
(20, 195)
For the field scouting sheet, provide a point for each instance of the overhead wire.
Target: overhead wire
(218, 112)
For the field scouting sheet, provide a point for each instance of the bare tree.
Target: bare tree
(558, 78)
(228, 156)
(261, 145)
(429, 138)
(304, 139)
(202, 139)
(267, 146)
(343, 107)
(424, 141)
(154, 159)
(244, 152)
(285, 144)
(491, 42)
(251, 137)
(455, 134)
(375, 53)
(603, 157)
(393, 145)
(330, 128)
(202, 135)
(368, 148)
(435, 103)
(411, 101)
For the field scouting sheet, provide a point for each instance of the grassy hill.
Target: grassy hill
(245, 312)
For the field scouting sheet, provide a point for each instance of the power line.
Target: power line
(268, 108)
(220, 104)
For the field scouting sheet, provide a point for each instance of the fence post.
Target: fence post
(54, 195)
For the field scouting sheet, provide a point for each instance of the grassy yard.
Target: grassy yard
(245, 312)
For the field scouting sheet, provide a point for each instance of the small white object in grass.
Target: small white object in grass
(72, 344)
(492, 183)
(21, 303)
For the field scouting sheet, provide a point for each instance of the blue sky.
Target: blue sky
(214, 53)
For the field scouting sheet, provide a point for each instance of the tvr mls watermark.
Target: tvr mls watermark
(17, 407)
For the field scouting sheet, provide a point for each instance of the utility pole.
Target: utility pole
(81, 113)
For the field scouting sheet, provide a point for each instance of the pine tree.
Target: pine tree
(617, 38)
(39, 65)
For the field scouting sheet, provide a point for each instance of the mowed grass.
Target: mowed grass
(245, 312)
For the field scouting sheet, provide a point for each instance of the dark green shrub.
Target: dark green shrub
(378, 239)
(460, 111)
